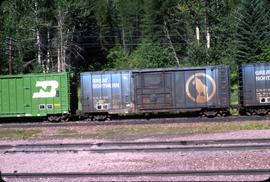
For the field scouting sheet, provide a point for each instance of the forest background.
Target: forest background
(87, 35)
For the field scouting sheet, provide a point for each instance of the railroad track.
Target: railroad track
(141, 173)
(134, 121)
(158, 146)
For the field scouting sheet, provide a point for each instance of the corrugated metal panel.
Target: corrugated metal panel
(254, 80)
(106, 92)
(34, 94)
(153, 90)
(204, 88)
(182, 89)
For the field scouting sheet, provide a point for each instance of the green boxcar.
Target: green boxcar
(35, 95)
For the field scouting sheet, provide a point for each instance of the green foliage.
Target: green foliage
(129, 14)
(18, 133)
(265, 55)
(118, 58)
(105, 14)
(126, 34)
(253, 31)
(149, 55)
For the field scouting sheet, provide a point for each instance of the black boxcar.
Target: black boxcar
(183, 89)
(254, 83)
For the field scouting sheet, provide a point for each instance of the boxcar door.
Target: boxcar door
(27, 95)
(153, 91)
(11, 101)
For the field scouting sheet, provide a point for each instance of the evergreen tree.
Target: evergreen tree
(105, 14)
(152, 20)
(129, 22)
(252, 31)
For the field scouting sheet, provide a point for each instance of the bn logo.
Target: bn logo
(200, 87)
(47, 89)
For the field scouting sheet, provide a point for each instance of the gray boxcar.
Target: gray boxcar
(254, 82)
(106, 92)
(183, 89)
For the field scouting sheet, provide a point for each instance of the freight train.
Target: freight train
(203, 89)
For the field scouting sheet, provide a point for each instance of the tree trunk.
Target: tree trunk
(64, 52)
(207, 33)
(58, 60)
(38, 40)
(61, 48)
(65, 46)
(10, 56)
(60, 44)
(47, 65)
(124, 39)
(208, 38)
(39, 47)
(70, 46)
(197, 30)
(170, 42)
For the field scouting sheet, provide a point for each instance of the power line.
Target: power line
(129, 44)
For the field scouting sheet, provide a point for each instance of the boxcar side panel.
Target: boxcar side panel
(11, 100)
(202, 88)
(255, 84)
(34, 95)
(195, 88)
(86, 91)
(50, 94)
(181, 89)
(153, 90)
(106, 92)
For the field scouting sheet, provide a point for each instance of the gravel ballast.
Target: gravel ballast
(140, 161)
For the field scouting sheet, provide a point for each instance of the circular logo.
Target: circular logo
(200, 87)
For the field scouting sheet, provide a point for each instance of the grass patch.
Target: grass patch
(178, 129)
(18, 134)
(129, 132)
(66, 132)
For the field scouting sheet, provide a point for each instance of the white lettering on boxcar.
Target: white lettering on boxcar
(104, 83)
(262, 75)
(99, 80)
(43, 92)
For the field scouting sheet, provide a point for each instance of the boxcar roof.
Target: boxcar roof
(33, 75)
(156, 69)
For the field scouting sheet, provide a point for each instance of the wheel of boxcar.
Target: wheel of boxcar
(224, 113)
(210, 113)
(245, 112)
(54, 118)
(261, 111)
(89, 118)
(64, 118)
(100, 117)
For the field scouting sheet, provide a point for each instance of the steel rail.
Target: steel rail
(145, 149)
(136, 121)
(146, 143)
(141, 173)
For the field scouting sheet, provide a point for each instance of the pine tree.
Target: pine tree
(253, 30)
(129, 20)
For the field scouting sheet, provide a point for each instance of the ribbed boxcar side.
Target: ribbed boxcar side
(182, 89)
(254, 82)
(106, 92)
(34, 95)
